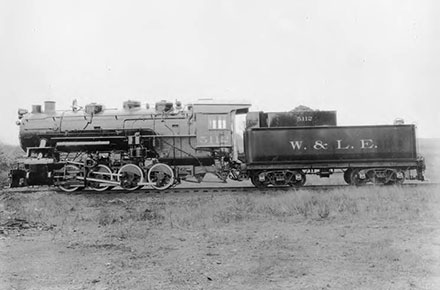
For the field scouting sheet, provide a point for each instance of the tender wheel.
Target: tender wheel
(347, 175)
(161, 176)
(100, 172)
(400, 174)
(395, 177)
(358, 177)
(374, 176)
(255, 179)
(70, 174)
(130, 176)
(298, 179)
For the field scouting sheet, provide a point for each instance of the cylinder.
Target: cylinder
(36, 109)
(49, 107)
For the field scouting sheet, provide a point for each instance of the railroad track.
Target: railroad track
(202, 189)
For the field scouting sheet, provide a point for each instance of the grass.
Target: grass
(257, 240)
(70, 212)
(372, 202)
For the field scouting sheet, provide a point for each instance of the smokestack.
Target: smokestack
(49, 107)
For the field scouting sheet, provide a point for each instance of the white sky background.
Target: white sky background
(372, 61)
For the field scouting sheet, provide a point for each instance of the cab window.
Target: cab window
(217, 122)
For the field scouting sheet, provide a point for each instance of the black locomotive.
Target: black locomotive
(100, 148)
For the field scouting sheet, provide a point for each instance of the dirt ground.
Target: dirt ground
(369, 238)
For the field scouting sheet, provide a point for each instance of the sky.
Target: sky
(371, 61)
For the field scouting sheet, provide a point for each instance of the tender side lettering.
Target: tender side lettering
(319, 145)
(304, 118)
(340, 145)
(367, 143)
(296, 144)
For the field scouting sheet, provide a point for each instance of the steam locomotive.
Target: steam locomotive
(100, 148)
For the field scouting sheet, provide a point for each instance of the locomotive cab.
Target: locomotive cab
(216, 125)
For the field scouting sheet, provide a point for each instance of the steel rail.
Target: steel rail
(210, 189)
